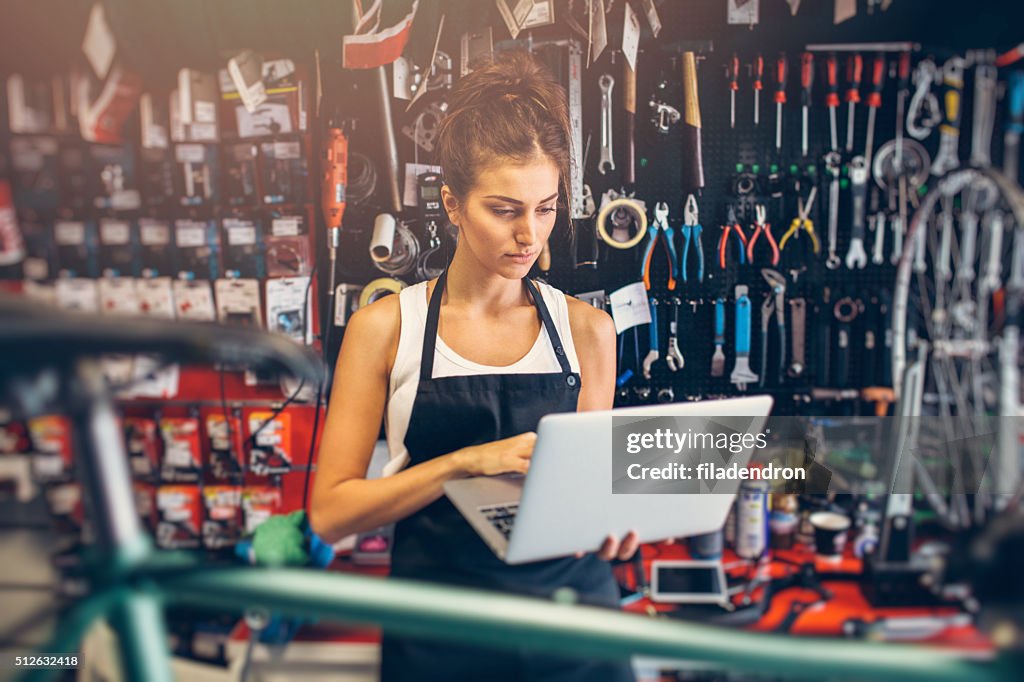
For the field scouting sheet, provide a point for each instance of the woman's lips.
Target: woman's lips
(521, 258)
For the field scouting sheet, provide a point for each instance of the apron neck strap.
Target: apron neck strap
(434, 315)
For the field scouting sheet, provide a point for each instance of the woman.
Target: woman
(463, 367)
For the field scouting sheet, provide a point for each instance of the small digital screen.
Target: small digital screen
(431, 193)
(689, 580)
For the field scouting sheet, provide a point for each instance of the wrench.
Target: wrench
(983, 119)
(673, 357)
(767, 308)
(832, 161)
(898, 230)
(777, 283)
(606, 82)
(990, 276)
(855, 257)
(877, 253)
(798, 317)
(741, 372)
(653, 354)
(953, 85)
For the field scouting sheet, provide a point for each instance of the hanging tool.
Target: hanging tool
(953, 85)
(733, 74)
(732, 225)
(874, 102)
(902, 92)
(629, 104)
(845, 310)
(673, 358)
(780, 97)
(878, 250)
(924, 103)
(832, 165)
(332, 192)
(855, 256)
(652, 354)
(798, 319)
(718, 358)
(607, 162)
(692, 175)
(741, 372)
(758, 77)
(803, 222)
(854, 71)
(1014, 125)
(832, 99)
(806, 83)
(761, 226)
(774, 303)
(984, 114)
(692, 230)
(659, 230)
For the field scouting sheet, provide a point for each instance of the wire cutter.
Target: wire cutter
(765, 228)
(655, 231)
(723, 241)
(692, 229)
(802, 222)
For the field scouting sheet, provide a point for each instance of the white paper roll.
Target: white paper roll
(383, 237)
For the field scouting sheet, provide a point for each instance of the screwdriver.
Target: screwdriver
(780, 97)
(832, 100)
(874, 102)
(734, 85)
(854, 69)
(758, 86)
(806, 81)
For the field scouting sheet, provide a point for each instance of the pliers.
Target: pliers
(765, 228)
(658, 227)
(802, 222)
(774, 303)
(723, 241)
(692, 229)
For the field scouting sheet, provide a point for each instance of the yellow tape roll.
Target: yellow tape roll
(379, 288)
(629, 205)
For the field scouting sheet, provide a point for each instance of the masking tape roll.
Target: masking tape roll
(629, 205)
(379, 288)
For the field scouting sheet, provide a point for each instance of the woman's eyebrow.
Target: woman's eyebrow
(516, 201)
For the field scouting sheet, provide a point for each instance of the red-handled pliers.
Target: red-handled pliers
(762, 227)
(723, 242)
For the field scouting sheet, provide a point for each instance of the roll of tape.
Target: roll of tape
(383, 239)
(379, 288)
(628, 205)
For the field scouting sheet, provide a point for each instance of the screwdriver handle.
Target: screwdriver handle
(877, 78)
(734, 72)
(806, 77)
(903, 72)
(758, 72)
(832, 80)
(854, 71)
(780, 79)
(1015, 102)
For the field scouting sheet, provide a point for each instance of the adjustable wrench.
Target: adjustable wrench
(832, 161)
(652, 354)
(741, 372)
(798, 317)
(673, 357)
(606, 82)
(855, 256)
(953, 85)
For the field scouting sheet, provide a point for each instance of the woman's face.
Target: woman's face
(507, 216)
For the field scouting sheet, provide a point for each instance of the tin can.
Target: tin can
(752, 519)
(707, 545)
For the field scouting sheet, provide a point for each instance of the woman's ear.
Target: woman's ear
(451, 205)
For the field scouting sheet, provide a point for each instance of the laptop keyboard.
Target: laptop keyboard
(501, 516)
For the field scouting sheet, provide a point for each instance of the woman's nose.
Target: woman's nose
(527, 229)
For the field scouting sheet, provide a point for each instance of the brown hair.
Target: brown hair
(510, 107)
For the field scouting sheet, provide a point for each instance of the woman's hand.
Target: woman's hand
(612, 548)
(508, 455)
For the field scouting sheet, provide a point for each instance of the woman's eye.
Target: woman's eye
(502, 211)
(549, 209)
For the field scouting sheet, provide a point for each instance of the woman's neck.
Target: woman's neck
(480, 290)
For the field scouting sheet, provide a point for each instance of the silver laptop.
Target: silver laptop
(565, 503)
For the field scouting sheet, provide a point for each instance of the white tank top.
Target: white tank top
(405, 375)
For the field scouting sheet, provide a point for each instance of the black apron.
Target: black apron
(437, 544)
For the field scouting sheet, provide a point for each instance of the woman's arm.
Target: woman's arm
(343, 501)
(593, 334)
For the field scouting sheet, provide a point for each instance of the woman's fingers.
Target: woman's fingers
(629, 545)
(609, 548)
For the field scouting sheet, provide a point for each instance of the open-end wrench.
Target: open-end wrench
(653, 354)
(718, 359)
(878, 252)
(741, 372)
(798, 318)
(953, 85)
(673, 357)
(984, 117)
(943, 268)
(606, 82)
(994, 223)
(832, 162)
(855, 256)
